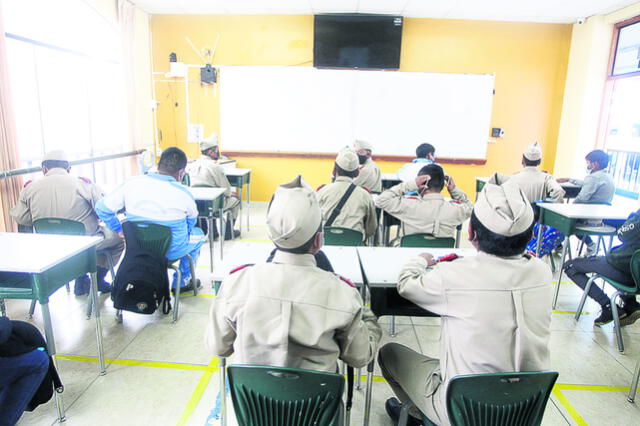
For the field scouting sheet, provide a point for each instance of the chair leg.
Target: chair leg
(176, 297)
(119, 316)
(616, 321)
(3, 308)
(68, 287)
(553, 263)
(584, 296)
(368, 392)
(404, 413)
(634, 383)
(194, 281)
(111, 269)
(32, 309)
(223, 391)
(90, 303)
(359, 379)
(392, 327)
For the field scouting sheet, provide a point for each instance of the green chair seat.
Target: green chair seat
(337, 236)
(427, 240)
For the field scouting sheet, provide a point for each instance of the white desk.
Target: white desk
(211, 201)
(227, 164)
(571, 190)
(238, 178)
(389, 180)
(34, 266)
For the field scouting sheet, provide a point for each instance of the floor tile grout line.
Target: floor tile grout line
(559, 410)
(611, 355)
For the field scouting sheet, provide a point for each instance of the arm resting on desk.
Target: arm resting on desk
(421, 286)
(359, 340)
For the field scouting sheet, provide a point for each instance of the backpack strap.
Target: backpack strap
(341, 203)
(350, 380)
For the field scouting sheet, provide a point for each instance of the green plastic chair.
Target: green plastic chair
(427, 240)
(337, 236)
(186, 180)
(156, 239)
(621, 288)
(264, 396)
(499, 399)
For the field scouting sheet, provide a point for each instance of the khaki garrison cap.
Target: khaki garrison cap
(209, 142)
(347, 159)
(57, 155)
(504, 209)
(360, 144)
(533, 152)
(294, 215)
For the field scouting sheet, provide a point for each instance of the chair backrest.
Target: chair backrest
(56, 225)
(280, 396)
(186, 179)
(499, 399)
(337, 236)
(149, 236)
(427, 240)
(634, 265)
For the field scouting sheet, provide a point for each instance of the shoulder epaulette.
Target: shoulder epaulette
(239, 268)
(366, 189)
(347, 280)
(84, 179)
(456, 201)
(412, 197)
(320, 187)
(27, 183)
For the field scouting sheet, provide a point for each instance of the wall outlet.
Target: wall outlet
(196, 132)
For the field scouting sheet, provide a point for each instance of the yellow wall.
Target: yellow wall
(529, 61)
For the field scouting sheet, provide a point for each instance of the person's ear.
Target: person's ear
(318, 242)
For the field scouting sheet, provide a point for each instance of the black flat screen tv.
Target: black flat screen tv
(359, 41)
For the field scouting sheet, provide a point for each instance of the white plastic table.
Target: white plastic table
(238, 178)
(212, 200)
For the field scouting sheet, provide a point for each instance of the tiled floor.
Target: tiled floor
(159, 373)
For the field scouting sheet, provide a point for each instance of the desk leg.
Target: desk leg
(564, 255)
(248, 203)
(223, 391)
(239, 194)
(223, 231)
(538, 237)
(51, 348)
(211, 241)
(458, 232)
(96, 317)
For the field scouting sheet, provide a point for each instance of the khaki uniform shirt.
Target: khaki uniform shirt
(61, 195)
(205, 171)
(290, 313)
(536, 184)
(430, 213)
(370, 177)
(496, 314)
(358, 213)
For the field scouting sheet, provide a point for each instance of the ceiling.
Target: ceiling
(552, 11)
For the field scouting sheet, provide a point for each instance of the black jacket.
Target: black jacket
(629, 233)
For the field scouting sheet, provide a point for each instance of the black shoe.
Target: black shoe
(236, 234)
(188, 287)
(606, 316)
(104, 287)
(393, 407)
(632, 312)
(82, 285)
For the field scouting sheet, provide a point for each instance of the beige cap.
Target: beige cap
(504, 209)
(347, 159)
(293, 215)
(209, 142)
(57, 155)
(533, 152)
(360, 144)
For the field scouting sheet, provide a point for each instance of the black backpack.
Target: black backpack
(141, 283)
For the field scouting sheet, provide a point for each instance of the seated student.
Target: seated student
(495, 307)
(205, 171)
(61, 195)
(536, 184)
(425, 155)
(429, 212)
(596, 188)
(358, 212)
(160, 198)
(614, 265)
(290, 313)
(369, 176)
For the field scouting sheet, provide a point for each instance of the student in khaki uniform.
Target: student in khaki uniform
(205, 171)
(290, 313)
(429, 212)
(359, 212)
(64, 196)
(369, 175)
(495, 307)
(536, 184)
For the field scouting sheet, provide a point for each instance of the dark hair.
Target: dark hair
(499, 245)
(531, 163)
(437, 176)
(206, 151)
(303, 249)
(52, 164)
(425, 149)
(598, 156)
(342, 172)
(172, 160)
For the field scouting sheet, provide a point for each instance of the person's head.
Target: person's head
(597, 160)
(294, 218)
(172, 162)
(532, 156)
(346, 164)
(363, 149)
(436, 180)
(209, 147)
(426, 150)
(55, 160)
(502, 221)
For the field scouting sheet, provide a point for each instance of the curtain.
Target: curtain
(9, 159)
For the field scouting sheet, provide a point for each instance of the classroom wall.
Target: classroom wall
(529, 60)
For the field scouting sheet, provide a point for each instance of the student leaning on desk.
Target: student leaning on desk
(495, 307)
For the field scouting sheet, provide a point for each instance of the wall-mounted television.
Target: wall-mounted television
(359, 41)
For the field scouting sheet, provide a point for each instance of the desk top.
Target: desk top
(206, 194)
(36, 253)
(587, 211)
(382, 265)
(343, 259)
(236, 172)
(390, 176)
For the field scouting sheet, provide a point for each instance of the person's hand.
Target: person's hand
(421, 182)
(429, 258)
(451, 184)
(562, 180)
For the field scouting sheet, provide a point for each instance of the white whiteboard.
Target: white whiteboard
(303, 109)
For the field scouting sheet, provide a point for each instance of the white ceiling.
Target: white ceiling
(552, 11)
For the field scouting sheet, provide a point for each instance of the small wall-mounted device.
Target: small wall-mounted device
(497, 132)
(208, 74)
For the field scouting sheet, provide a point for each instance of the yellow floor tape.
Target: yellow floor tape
(141, 363)
(197, 393)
